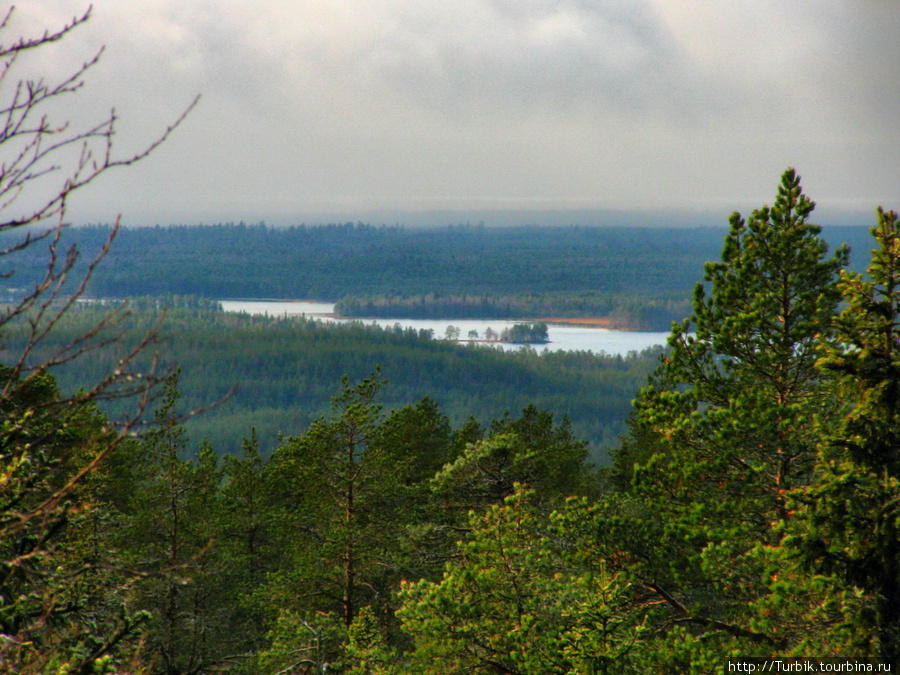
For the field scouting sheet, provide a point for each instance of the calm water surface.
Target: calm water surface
(562, 336)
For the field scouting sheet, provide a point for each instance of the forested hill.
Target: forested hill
(328, 262)
(286, 371)
(333, 261)
(633, 278)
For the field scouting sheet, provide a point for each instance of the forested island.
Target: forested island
(525, 334)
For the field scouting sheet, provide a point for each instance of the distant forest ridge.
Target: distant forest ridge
(494, 217)
(643, 277)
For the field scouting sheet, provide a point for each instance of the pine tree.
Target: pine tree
(731, 404)
(524, 594)
(170, 538)
(726, 423)
(336, 488)
(533, 450)
(245, 544)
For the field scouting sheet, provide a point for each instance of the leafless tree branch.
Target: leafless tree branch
(43, 162)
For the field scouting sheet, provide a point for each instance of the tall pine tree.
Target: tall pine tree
(724, 430)
(729, 408)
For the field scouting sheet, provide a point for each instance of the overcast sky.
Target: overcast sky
(333, 109)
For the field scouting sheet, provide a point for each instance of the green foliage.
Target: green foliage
(419, 441)
(300, 646)
(368, 650)
(196, 536)
(850, 519)
(725, 430)
(730, 406)
(526, 333)
(353, 502)
(752, 511)
(531, 450)
(339, 492)
(519, 599)
(171, 521)
(61, 603)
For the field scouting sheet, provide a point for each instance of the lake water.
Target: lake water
(562, 336)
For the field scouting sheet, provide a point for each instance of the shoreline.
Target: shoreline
(587, 321)
(604, 322)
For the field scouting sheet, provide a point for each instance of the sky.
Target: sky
(410, 110)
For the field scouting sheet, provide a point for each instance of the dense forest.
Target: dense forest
(285, 371)
(750, 510)
(638, 278)
(328, 262)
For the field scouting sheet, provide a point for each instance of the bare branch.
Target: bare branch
(39, 484)
(23, 43)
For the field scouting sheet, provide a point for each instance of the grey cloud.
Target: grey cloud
(508, 102)
(527, 55)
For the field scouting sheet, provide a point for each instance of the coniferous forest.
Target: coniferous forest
(279, 374)
(748, 507)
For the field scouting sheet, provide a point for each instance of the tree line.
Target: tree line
(623, 311)
(638, 279)
(328, 262)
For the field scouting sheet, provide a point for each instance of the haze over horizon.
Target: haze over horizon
(343, 109)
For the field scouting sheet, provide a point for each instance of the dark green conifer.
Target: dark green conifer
(731, 405)
(849, 524)
(725, 429)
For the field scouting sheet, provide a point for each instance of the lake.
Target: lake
(563, 337)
